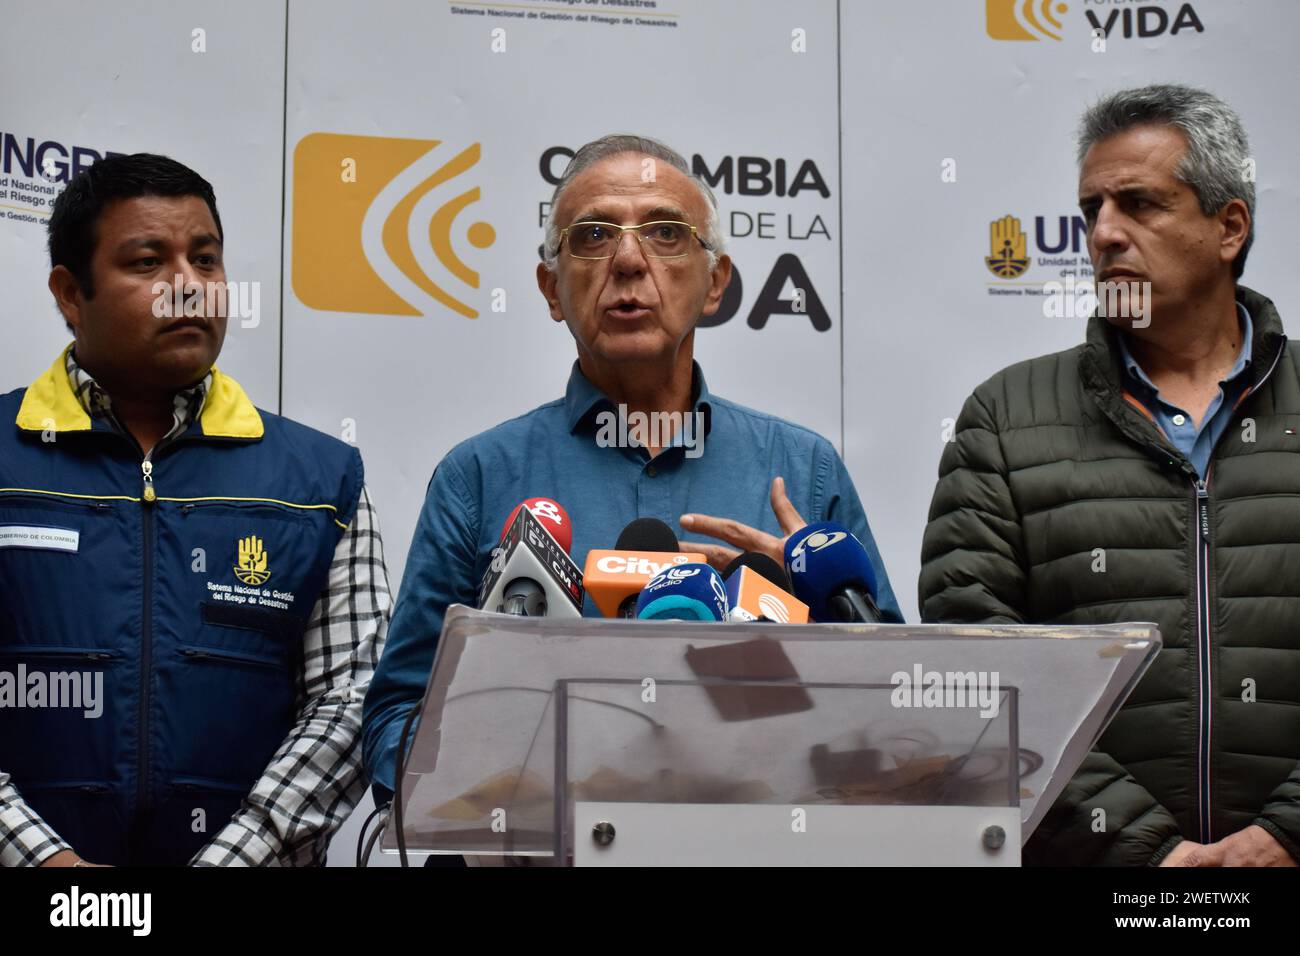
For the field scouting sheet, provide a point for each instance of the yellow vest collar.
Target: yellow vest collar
(227, 410)
(50, 404)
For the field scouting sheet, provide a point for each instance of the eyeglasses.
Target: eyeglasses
(665, 239)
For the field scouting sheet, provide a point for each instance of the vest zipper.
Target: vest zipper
(1204, 631)
(206, 656)
(146, 633)
(1205, 685)
(146, 469)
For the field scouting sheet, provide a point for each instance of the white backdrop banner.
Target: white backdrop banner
(960, 116)
(417, 192)
(198, 83)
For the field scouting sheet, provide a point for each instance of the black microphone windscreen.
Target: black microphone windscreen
(647, 534)
(761, 564)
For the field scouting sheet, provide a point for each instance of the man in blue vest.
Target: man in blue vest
(192, 591)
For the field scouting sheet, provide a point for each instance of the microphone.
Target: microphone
(646, 534)
(832, 574)
(684, 592)
(615, 578)
(758, 589)
(531, 575)
(549, 512)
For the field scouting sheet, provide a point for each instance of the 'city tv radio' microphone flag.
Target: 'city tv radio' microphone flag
(646, 547)
(684, 592)
(531, 574)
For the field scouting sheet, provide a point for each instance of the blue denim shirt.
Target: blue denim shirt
(553, 452)
(1195, 443)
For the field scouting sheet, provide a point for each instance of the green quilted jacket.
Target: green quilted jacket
(1061, 502)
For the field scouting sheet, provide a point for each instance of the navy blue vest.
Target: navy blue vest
(188, 609)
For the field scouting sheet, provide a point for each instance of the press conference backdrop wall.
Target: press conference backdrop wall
(382, 171)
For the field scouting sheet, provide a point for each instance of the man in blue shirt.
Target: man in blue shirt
(631, 262)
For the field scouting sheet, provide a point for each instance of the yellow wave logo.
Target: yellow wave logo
(374, 221)
(1008, 248)
(1024, 19)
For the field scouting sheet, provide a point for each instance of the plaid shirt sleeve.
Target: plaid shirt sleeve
(25, 839)
(315, 779)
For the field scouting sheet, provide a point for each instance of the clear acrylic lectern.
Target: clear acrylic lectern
(612, 742)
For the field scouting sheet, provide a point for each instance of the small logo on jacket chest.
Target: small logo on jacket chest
(252, 569)
(253, 561)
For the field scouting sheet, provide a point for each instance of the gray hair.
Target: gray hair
(616, 144)
(1218, 153)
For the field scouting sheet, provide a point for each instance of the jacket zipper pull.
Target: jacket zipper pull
(146, 469)
(1203, 503)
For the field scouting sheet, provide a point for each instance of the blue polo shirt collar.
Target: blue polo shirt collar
(1243, 358)
(583, 400)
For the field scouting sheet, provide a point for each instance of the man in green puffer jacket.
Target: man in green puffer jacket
(1151, 474)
